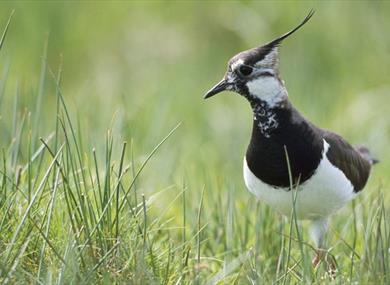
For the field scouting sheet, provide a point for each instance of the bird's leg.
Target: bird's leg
(320, 253)
(323, 255)
(318, 230)
(331, 264)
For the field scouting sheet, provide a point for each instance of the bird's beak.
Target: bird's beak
(218, 88)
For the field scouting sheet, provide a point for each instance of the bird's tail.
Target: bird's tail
(365, 152)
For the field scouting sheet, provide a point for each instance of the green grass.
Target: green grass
(113, 169)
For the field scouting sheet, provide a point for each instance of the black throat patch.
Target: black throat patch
(264, 116)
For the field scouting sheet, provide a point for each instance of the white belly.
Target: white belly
(324, 193)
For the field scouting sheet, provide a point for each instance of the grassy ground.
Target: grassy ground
(114, 170)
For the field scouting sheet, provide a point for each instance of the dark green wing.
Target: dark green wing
(355, 167)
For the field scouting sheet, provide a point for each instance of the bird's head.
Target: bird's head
(254, 73)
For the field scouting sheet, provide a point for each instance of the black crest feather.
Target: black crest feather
(256, 54)
(276, 42)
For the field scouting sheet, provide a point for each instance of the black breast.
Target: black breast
(266, 156)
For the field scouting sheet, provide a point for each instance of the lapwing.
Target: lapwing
(286, 151)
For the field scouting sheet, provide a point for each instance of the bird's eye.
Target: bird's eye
(245, 70)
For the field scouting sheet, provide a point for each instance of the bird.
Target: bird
(286, 151)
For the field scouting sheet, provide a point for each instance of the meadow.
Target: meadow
(114, 170)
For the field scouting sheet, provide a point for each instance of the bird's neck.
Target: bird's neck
(266, 95)
(266, 118)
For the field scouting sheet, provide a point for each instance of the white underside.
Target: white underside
(324, 193)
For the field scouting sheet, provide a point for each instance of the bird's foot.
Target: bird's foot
(322, 255)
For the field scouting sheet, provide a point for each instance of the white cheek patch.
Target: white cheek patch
(268, 89)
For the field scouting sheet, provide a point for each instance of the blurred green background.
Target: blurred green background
(140, 68)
